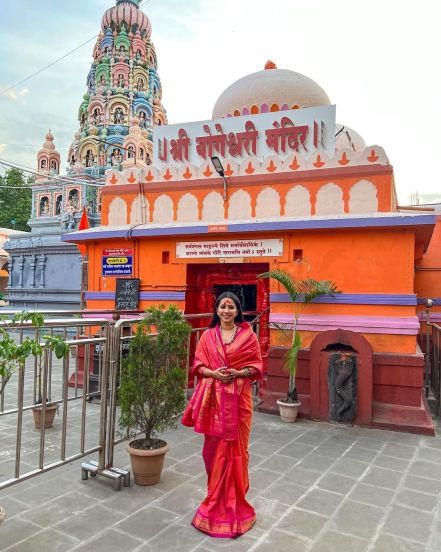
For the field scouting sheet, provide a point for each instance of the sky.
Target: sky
(378, 61)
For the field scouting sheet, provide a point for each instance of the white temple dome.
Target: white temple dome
(269, 90)
(347, 138)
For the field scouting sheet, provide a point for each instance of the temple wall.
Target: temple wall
(367, 266)
(249, 198)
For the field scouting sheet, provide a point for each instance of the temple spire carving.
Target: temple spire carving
(123, 91)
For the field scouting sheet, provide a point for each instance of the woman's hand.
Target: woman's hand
(223, 374)
(235, 373)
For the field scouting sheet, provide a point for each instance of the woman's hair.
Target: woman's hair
(226, 295)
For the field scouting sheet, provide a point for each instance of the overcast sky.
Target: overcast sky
(378, 61)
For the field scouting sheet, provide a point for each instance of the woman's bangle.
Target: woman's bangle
(247, 372)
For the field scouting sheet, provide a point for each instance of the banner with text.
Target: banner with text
(229, 249)
(302, 131)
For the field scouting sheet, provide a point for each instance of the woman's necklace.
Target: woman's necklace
(232, 337)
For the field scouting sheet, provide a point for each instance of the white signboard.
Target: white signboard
(231, 248)
(302, 131)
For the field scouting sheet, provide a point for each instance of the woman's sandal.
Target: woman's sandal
(2, 514)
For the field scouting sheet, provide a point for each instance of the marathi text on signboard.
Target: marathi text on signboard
(127, 293)
(117, 262)
(229, 249)
(302, 131)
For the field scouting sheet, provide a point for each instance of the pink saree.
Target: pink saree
(223, 413)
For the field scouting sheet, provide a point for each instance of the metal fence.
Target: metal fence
(434, 361)
(72, 385)
(50, 384)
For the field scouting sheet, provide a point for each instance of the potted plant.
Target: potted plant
(13, 354)
(152, 387)
(301, 292)
(61, 350)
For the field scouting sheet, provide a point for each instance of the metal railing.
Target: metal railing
(40, 384)
(90, 371)
(434, 353)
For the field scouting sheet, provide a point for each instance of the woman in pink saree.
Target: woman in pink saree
(227, 359)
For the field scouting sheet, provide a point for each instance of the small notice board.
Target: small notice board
(127, 293)
(117, 262)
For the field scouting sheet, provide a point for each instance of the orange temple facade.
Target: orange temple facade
(326, 210)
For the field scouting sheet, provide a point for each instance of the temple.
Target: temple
(122, 85)
(294, 190)
(116, 119)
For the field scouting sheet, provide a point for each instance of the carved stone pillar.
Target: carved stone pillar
(10, 268)
(20, 265)
(42, 263)
(32, 264)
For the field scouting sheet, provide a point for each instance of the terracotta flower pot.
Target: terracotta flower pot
(288, 411)
(147, 464)
(51, 410)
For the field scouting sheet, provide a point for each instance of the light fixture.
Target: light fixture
(218, 167)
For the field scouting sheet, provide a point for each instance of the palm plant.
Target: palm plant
(301, 292)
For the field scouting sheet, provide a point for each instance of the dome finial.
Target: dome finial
(270, 65)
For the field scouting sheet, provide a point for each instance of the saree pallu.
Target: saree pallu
(223, 412)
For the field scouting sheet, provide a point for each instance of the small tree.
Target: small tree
(13, 354)
(301, 293)
(15, 200)
(151, 393)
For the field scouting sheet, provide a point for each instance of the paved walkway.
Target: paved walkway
(315, 487)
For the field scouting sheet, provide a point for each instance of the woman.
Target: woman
(227, 359)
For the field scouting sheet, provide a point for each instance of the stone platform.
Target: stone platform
(316, 488)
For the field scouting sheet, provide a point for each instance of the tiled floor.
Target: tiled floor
(315, 487)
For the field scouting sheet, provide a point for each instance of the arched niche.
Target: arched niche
(213, 207)
(163, 209)
(43, 206)
(363, 197)
(268, 203)
(239, 205)
(329, 200)
(188, 208)
(117, 212)
(74, 197)
(139, 212)
(322, 347)
(58, 204)
(298, 202)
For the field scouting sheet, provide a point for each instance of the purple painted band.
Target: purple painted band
(146, 295)
(395, 325)
(354, 299)
(255, 226)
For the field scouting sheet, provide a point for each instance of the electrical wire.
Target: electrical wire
(68, 179)
(28, 170)
(60, 58)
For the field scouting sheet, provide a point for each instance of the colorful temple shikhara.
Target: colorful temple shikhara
(123, 99)
(116, 117)
(300, 193)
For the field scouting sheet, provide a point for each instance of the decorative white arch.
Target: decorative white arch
(117, 212)
(188, 208)
(239, 206)
(213, 208)
(298, 202)
(163, 209)
(268, 203)
(329, 200)
(363, 197)
(139, 212)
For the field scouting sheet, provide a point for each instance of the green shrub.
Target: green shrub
(153, 376)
